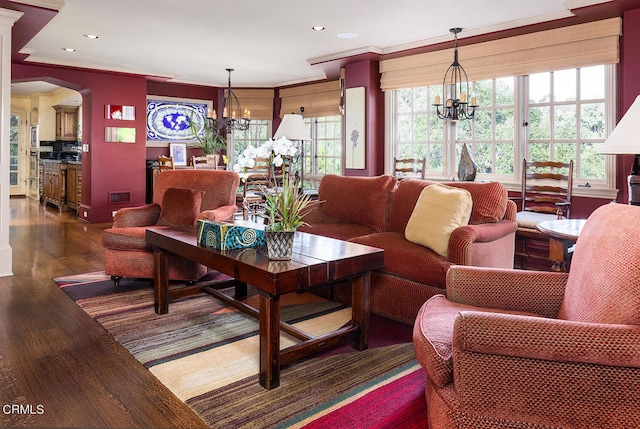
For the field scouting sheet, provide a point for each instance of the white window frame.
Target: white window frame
(606, 190)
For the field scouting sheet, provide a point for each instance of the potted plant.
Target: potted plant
(284, 207)
(208, 139)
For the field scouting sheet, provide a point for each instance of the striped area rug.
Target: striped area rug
(207, 354)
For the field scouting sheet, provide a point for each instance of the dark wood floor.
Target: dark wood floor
(55, 361)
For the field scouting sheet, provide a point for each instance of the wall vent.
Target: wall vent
(119, 197)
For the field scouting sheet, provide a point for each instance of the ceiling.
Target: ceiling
(268, 43)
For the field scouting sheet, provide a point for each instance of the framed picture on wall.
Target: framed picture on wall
(355, 128)
(169, 119)
(179, 153)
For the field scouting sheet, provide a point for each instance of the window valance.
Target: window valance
(258, 101)
(575, 46)
(318, 99)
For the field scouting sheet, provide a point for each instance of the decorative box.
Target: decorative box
(223, 235)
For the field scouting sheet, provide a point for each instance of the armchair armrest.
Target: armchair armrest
(462, 239)
(219, 214)
(137, 216)
(538, 292)
(551, 373)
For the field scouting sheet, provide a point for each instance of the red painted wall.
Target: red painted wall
(106, 167)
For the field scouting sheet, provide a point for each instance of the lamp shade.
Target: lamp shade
(292, 127)
(625, 137)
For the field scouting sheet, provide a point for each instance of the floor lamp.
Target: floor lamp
(293, 128)
(623, 140)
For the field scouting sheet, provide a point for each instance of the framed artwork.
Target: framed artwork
(169, 119)
(355, 127)
(119, 112)
(179, 153)
(119, 135)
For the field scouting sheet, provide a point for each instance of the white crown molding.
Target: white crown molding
(45, 4)
(9, 17)
(345, 54)
(577, 4)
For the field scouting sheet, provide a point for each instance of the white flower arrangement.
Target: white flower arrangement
(275, 150)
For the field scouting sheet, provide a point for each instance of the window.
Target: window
(419, 132)
(323, 155)
(566, 120)
(257, 133)
(558, 115)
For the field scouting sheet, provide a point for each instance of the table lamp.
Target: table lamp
(293, 128)
(624, 140)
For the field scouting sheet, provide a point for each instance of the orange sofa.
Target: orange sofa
(375, 211)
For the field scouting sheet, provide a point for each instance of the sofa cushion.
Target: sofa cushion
(180, 206)
(489, 201)
(439, 210)
(358, 200)
(408, 260)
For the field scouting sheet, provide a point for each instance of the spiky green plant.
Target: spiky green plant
(284, 208)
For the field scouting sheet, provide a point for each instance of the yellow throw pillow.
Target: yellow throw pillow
(439, 210)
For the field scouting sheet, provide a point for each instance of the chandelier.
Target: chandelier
(456, 85)
(233, 117)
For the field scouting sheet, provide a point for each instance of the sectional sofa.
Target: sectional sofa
(375, 211)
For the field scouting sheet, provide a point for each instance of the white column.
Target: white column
(7, 19)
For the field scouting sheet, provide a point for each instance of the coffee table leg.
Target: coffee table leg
(558, 249)
(269, 341)
(161, 282)
(360, 306)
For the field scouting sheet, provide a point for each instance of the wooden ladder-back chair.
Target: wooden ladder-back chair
(545, 195)
(409, 168)
(253, 183)
(165, 163)
(199, 162)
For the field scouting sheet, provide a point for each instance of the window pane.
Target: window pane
(592, 121)
(436, 156)
(483, 126)
(564, 122)
(483, 156)
(539, 123)
(539, 87)
(404, 128)
(420, 101)
(420, 127)
(564, 85)
(403, 100)
(505, 124)
(505, 91)
(564, 152)
(484, 92)
(592, 164)
(504, 158)
(592, 83)
(539, 152)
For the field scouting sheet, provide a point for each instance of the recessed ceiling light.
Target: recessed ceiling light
(90, 36)
(347, 35)
(318, 27)
(69, 49)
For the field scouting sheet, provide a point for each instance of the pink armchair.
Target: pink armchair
(180, 197)
(527, 349)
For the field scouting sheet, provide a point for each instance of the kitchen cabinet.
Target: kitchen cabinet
(74, 185)
(54, 183)
(66, 123)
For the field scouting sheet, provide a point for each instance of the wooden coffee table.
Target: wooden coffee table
(562, 234)
(317, 262)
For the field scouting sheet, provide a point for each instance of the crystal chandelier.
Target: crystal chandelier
(233, 117)
(456, 85)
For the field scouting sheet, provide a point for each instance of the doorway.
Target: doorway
(18, 153)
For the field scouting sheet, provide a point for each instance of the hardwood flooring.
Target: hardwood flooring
(58, 367)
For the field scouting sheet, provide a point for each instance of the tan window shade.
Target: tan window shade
(258, 101)
(568, 47)
(318, 99)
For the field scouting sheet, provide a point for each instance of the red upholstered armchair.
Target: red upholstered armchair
(180, 197)
(526, 349)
